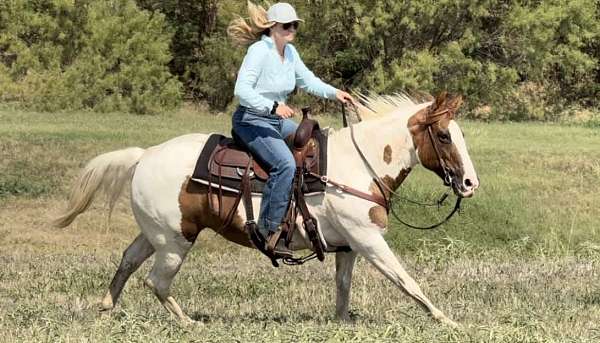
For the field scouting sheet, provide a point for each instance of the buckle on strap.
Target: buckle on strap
(241, 172)
(324, 179)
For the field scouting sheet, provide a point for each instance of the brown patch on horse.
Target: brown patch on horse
(378, 216)
(387, 154)
(391, 183)
(196, 214)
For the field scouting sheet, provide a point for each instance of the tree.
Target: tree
(101, 55)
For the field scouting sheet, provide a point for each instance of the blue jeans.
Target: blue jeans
(264, 135)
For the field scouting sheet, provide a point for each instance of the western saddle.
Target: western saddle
(229, 168)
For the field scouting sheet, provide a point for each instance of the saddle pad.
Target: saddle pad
(202, 172)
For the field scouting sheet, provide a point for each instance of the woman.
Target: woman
(271, 69)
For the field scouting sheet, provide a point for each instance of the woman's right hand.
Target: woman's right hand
(284, 111)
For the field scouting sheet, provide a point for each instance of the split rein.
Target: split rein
(383, 186)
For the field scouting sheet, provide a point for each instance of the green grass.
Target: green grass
(538, 192)
(520, 264)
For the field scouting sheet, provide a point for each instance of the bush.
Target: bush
(212, 77)
(516, 60)
(100, 55)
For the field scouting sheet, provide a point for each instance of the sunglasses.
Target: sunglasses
(294, 24)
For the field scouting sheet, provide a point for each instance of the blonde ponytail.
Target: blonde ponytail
(244, 32)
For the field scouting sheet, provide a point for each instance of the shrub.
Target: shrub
(100, 55)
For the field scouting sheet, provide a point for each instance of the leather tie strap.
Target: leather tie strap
(347, 189)
(250, 226)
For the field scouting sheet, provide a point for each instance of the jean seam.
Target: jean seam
(270, 195)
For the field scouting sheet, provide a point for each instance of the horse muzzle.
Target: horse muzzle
(465, 188)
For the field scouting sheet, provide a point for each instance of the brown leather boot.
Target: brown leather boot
(276, 245)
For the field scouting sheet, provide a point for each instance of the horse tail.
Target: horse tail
(107, 173)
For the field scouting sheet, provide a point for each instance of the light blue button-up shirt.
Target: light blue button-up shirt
(264, 78)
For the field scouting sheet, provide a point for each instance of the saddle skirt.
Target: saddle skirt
(223, 162)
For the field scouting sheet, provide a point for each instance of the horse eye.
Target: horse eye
(444, 137)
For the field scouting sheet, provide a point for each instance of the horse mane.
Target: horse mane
(374, 105)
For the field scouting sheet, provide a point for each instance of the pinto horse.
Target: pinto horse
(171, 210)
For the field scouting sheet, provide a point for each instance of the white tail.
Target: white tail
(107, 173)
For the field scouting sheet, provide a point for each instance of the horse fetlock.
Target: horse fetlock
(150, 284)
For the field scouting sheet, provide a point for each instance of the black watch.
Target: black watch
(274, 107)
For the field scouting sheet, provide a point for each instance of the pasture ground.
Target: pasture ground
(520, 264)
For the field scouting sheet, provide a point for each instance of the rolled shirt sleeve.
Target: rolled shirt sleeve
(248, 77)
(307, 81)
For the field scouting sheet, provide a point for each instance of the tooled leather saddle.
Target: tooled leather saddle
(229, 170)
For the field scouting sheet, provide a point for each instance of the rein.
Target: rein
(382, 185)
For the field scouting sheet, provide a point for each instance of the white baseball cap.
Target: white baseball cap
(282, 12)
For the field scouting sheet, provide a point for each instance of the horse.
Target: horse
(396, 134)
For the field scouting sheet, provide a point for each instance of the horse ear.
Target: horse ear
(441, 99)
(453, 105)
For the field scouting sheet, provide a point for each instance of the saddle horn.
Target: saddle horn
(305, 129)
(305, 113)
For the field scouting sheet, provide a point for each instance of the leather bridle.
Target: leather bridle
(447, 173)
(431, 119)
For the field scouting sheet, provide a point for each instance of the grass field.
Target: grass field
(520, 264)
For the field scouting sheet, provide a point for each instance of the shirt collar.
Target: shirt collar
(271, 44)
(268, 40)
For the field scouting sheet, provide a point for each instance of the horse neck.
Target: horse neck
(386, 143)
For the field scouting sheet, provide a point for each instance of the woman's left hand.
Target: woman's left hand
(345, 97)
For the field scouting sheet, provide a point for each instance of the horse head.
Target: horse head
(440, 144)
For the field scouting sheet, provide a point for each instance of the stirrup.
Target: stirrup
(276, 246)
(260, 243)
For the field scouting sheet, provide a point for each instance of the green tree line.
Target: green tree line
(511, 59)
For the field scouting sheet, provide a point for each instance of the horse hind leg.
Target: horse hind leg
(137, 252)
(168, 260)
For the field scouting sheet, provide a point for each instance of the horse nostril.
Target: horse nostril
(468, 183)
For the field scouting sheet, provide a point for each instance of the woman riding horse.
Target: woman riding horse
(271, 69)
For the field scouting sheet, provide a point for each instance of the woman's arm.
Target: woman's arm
(248, 76)
(306, 80)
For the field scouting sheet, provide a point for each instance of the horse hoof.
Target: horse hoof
(190, 323)
(107, 303)
(450, 323)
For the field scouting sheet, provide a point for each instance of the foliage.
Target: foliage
(204, 59)
(511, 59)
(486, 50)
(494, 51)
(101, 55)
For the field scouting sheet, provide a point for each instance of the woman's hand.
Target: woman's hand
(345, 97)
(284, 111)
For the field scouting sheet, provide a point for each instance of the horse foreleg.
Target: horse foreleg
(139, 250)
(344, 264)
(374, 248)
